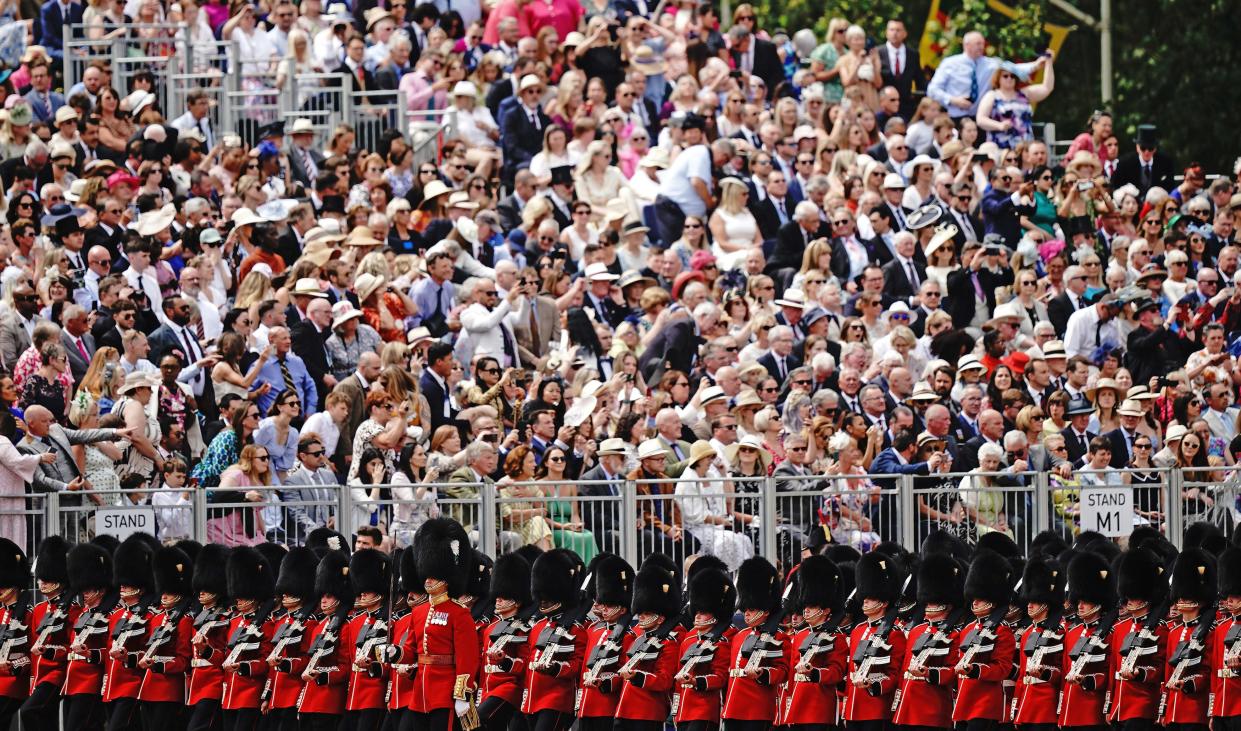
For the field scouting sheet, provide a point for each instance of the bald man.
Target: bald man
(50, 442)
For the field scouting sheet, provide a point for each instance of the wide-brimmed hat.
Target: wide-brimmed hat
(59, 211)
(897, 308)
(20, 115)
(748, 441)
(461, 199)
(433, 190)
(923, 217)
(794, 298)
(1140, 393)
(970, 362)
(712, 393)
(699, 451)
(614, 445)
(944, 233)
(1151, 271)
(1175, 432)
(308, 287)
(367, 284)
(893, 181)
(923, 159)
(302, 126)
(245, 217)
(651, 448)
(598, 272)
(152, 222)
(633, 277)
(1078, 406)
(927, 437)
(362, 236)
(1102, 384)
(66, 114)
(1010, 312)
(748, 398)
(137, 380)
(529, 81)
(1082, 159)
(645, 59)
(1130, 408)
(418, 335)
(342, 312)
(923, 392)
(1054, 349)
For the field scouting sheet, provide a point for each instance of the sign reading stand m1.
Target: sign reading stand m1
(1107, 510)
(122, 523)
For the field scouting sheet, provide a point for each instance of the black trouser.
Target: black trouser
(160, 716)
(242, 719)
(282, 719)
(698, 726)
(671, 220)
(596, 723)
(977, 724)
(734, 724)
(629, 724)
(8, 709)
(84, 712)
(442, 719)
(877, 725)
(495, 713)
(1186, 727)
(318, 721)
(41, 710)
(392, 722)
(123, 715)
(367, 719)
(204, 716)
(549, 720)
(1136, 724)
(809, 726)
(1227, 723)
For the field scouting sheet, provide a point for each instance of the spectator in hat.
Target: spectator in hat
(1146, 167)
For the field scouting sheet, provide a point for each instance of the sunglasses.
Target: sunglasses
(317, 453)
(555, 459)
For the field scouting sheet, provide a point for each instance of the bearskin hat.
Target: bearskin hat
(274, 553)
(990, 579)
(879, 577)
(1230, 572)
(368, 572)
(656, 591)
(132, 564)
(1042, 582)
(1091, 579)
(613, 578)
(297, 574)
(326, 539)
(1047, 543)
(411, 582)
(999, 543)
(818, 580)
(510, 579)
(332, 577)
(758, 586)
(190, 548)
(941, 541)
(1205, 535)
(173, 571)
(940, 580)
(553, 579)
(249, 575)
(444, 554)
(479, 583)
(51, 561)
(1140, 575)
(712, 592)
(1193, 576)
(210, 573)
(88, 566)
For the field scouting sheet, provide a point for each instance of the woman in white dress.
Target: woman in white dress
(733, 227)
(705, 510)
(99, 459)
(555, 153)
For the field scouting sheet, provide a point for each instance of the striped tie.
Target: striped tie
(289, 385)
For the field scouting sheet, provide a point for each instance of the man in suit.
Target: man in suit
(600, 517)
(1146, 167)
(792, 238)
(675, 347)
(58, 470)
(601, 284)
(990, 431)
(670, 432)
(79, 344)
(904, 275)
(898, 459)
(537, 324)
(523, 127)
(355, 387)
(757, 57)
(310, 343)
(434, 384)
(43, 101)
(986, 271)
(965, 424)
(1062, 306)
(969, 226)
(52, 18)
(197, 116)
(1003, 206)
(511, 206)
(1076, 436)
(779, 360)
(17, 325)
(1221, 418)
(508, 89)
(305, 161)
(900, 67)
(481, 460)
(1122, 437)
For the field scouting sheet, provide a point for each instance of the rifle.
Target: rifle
(648, 647)
(557, 637)
(15, 634)
(52, 622)
(702, 651)
(209, 620)
(982, 639)
(935, 643)
(135, 625)
(1090, 648)
(91, 622)
(324, 645)
(371, 641)
(1186, 656)
(289, 634)
(1232, 641)
(875, 652)
(250, 637)
(512, 631)
(165, 633)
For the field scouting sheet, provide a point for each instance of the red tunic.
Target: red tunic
(1081, 703)
(367, 632)
(15, 675)
(754, 699)
(927, 701)
(1225, 681)
(555, 686)
(1189, 703)
(401, 684)
(444, 644)
(285, 680)
(501, 676)
(882, 678)
(326, 692)
(88, 651)
(701, 697)
(647, 696)
(1037, 694)
(980, 690)
(49, 663)
(122, 678)
(206, 677)
(164, 682)
(1137, 698)
(243, 688)
(810, 695)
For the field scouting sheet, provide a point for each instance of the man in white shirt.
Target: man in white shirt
(485, 326)
(198, 104)
(282, 17)
(1094, 326)
(686, 190)
(141, 275)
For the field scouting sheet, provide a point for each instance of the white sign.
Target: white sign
(1107, 510)
(121, 523)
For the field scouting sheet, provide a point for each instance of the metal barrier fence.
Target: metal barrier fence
(733, 518)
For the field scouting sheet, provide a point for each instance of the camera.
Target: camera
(991, 250)
(1085, 184)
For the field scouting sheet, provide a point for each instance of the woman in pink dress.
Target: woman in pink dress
(243, 526)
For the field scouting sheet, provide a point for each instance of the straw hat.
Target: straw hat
(1140, 393)
(699, 451)
(1081, 160)
(613, 446)
(367, 284)
(923, 392)
(342, 312)
(362, 236)
(245, 217)
(308, 287)
(1130, 408)
(748, 398)
(794, 298)
(152, 222)
(137, 380)
(746, 442)
(433, 190)
(651, 448)
(1102, 384)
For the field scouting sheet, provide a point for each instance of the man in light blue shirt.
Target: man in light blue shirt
(686, 188)
(281, 369)
(433, 295)
(961, 80)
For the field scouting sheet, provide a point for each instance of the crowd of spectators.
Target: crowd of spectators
(660, 245)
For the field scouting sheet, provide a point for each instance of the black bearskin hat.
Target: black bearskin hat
(107, 542)
(297, 574)
(1230, 572)
(879, 577)
(368, 572)
(553, 579)
(656, 591)
(941, 541)
(758, 586)
(88, 566)
(1140, 575)
(662, 560)
(1193, 576)
(702, 562)
(1042, 582)
(818, 580)
(613, 577)
(510, 579)
(332, 577)
(1205, 535)
(479, 583)
(173, 572)
(712, 592)
(1091, 579)
(132, 564)
(842, 553)
(990, 578)
(50, 562)
(1047, 543)
(249, 575)
(999, 543)
(444, 554)
(326, 539)
(274, 553)
(411, 582)
(209, 570)
(190, 548)
(940, 580)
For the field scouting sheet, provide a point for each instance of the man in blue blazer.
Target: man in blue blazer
(42, 100)
(52, 18)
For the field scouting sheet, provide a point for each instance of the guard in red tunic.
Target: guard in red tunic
(166, 658)
(924, 698)
(211, 619)
(819, 650)
(252, 585)
(51, 622)
(326, 674)
(985, 646)
(559, 647)
(1188, 671)
(1040, 646)
(295, 586)
(1088, 666)
(651, 660)
(14, 630)
(90, 579)
(706, 650)
(444, 643)
(400, 676)
(877, 645)
(607, 642)
(1138, 641)
(506, 642)
(367, 636)
(759, 661)
(130, 624)
(1226, 646)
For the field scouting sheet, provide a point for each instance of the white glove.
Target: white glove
(756, 523)
(461, 707)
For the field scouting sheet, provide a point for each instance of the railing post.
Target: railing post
(200, 514)
(767, 512)
(1175, 516)
(344, 511)
(402, 119)
(908, 515)
(51, 514)
(1042, 502)
(627, 525)
(488, 524)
